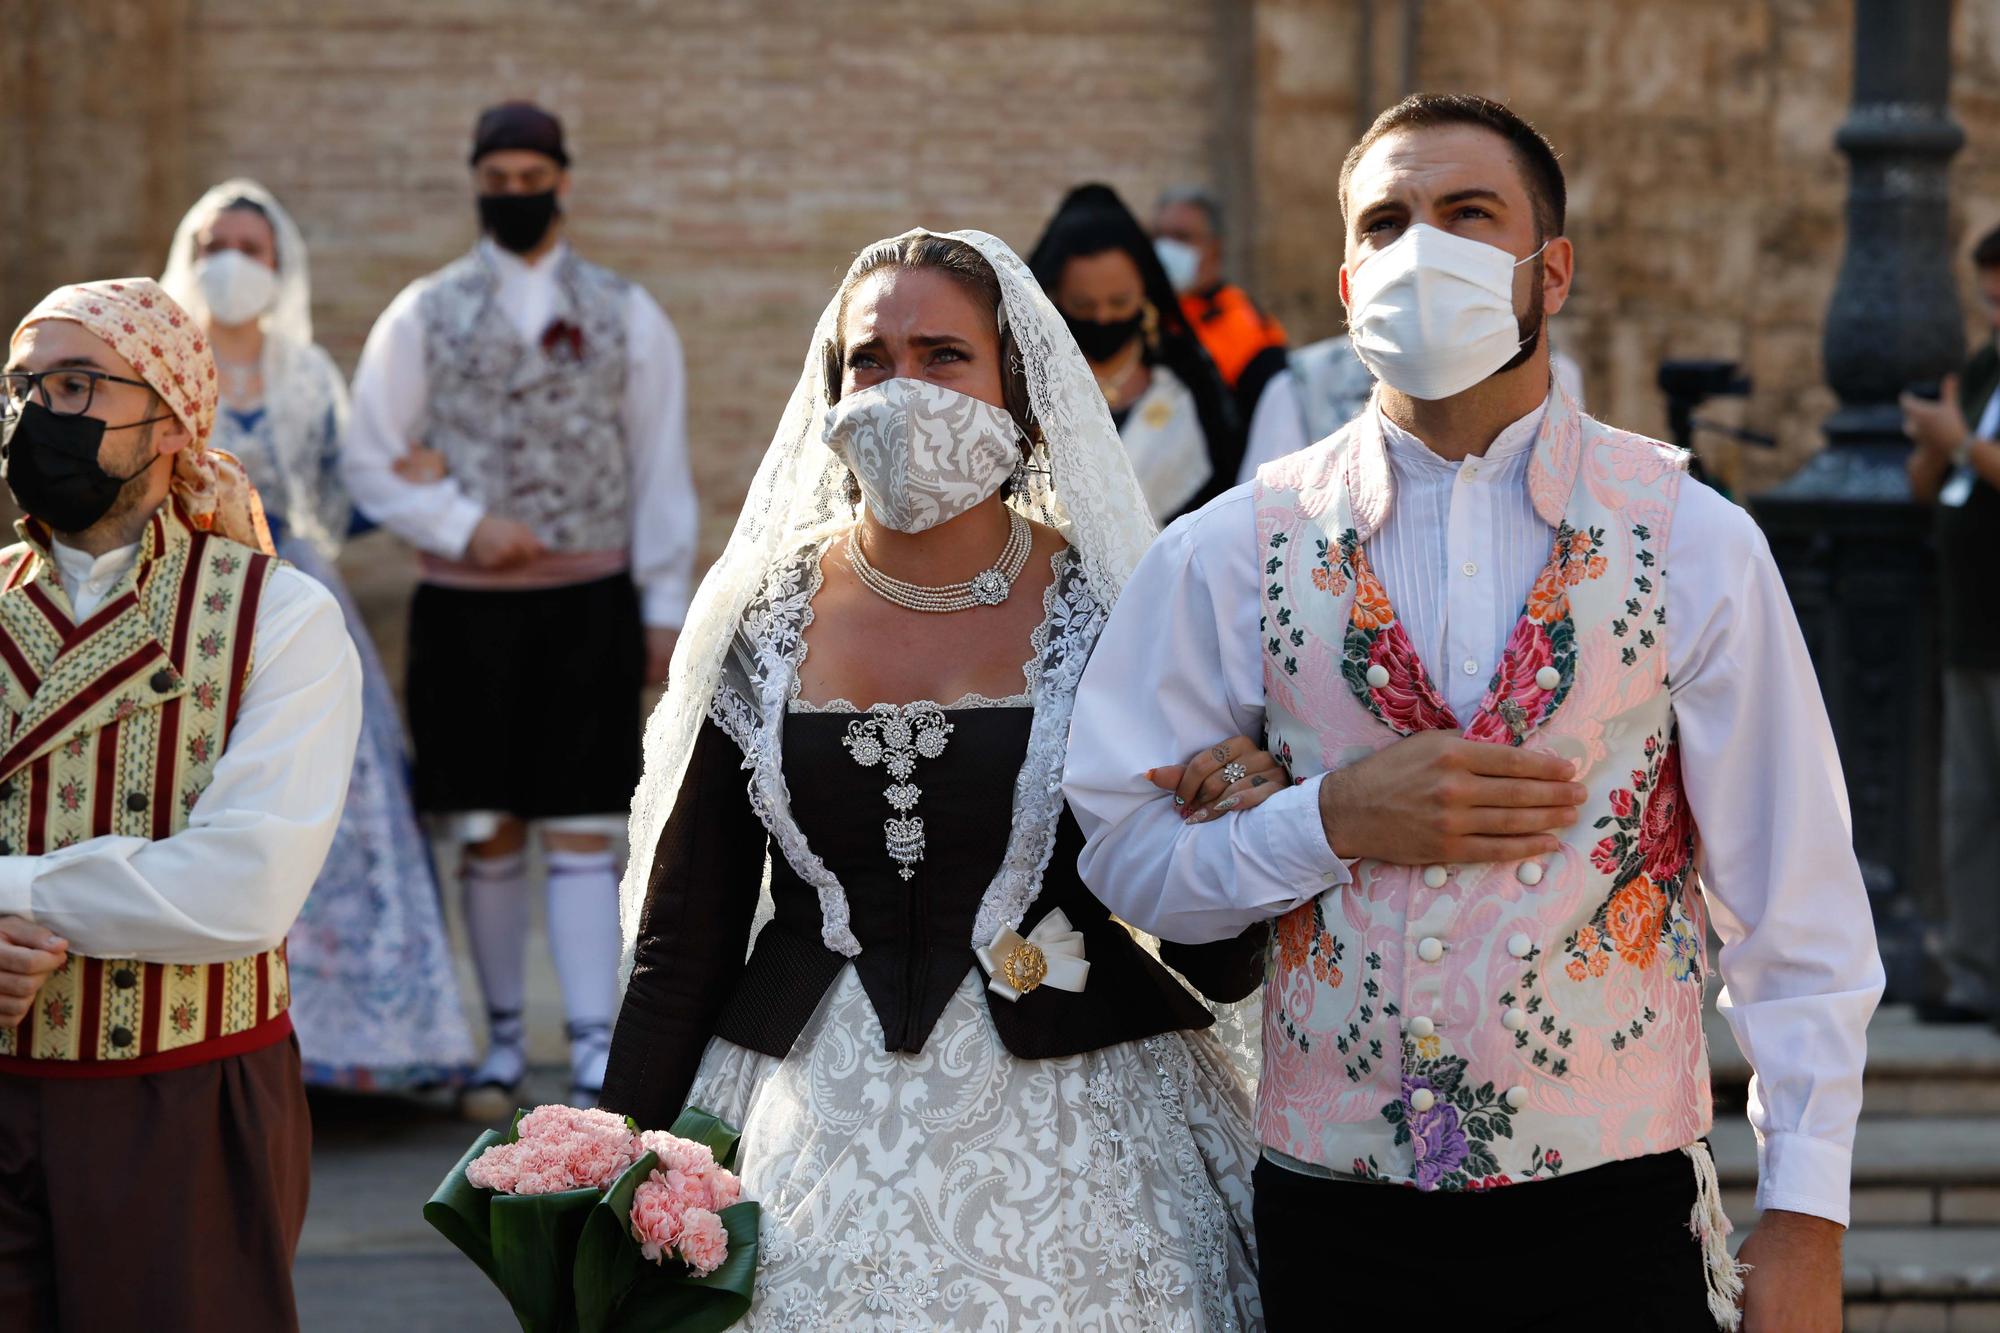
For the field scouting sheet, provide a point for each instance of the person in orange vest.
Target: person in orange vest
(1248, 346)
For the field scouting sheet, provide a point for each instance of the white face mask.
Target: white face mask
(922, 454)
(1181, 261)
(1432, 314)
(235, 288)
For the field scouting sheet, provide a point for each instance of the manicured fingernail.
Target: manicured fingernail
(1226, 803)
(1150, 772)
(1198, 817)
(1178, 800)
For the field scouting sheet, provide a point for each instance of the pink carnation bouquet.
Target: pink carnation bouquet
(588, 1224)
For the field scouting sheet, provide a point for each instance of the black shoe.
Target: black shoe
(1942, 1011)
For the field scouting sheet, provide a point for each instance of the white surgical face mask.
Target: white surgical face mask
(1432, 314)
(235, 288)
(922, 454)
(1181, 261)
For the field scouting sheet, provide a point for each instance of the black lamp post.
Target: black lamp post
(1853, 546)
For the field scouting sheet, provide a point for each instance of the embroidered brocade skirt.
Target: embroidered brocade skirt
(964, 1188)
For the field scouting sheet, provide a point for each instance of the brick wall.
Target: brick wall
(731, 155)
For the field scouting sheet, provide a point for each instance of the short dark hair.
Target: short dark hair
(1198, 197)
(968, 268)
(1533, 153)
(1986, 254)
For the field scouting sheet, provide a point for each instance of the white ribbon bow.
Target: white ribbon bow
(1051, 955)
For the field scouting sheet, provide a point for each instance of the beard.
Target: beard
(1530, 325)
(132, 494)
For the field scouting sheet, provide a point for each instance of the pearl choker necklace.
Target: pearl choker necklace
(989, 587)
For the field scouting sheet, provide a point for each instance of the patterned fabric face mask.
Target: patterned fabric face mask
(921, 453)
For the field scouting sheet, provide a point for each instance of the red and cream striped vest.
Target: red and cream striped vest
(112, 727)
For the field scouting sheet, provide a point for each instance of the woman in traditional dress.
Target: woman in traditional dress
(1177, 419)
(374, 995)
(969, 1098)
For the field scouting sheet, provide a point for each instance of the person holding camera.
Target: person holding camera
(1956, 468)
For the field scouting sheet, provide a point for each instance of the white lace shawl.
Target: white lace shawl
(1079, 483)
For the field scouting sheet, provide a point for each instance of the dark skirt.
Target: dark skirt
(155, 1201)
(527, 702)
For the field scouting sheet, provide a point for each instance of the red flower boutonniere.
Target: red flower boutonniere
(562, 341)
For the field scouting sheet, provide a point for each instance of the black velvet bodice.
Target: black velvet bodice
(690, 980)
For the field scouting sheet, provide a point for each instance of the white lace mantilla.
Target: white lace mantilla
(760, 680)
(1078, 481)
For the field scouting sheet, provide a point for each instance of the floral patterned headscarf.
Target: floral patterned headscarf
(167, 347)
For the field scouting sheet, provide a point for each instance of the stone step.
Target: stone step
(1909, 1171)
(1914, 1069)
(1922, 1316)
(1923, 1264)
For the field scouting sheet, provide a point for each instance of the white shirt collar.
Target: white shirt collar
(83, 567)
(513, 268)
(1514, 440)
(86, 577)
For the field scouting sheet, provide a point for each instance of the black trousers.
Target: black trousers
(1605, 1249)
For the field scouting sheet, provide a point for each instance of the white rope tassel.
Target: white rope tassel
(1711, 1227)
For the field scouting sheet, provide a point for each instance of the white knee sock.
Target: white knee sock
(584, 939)
(496, 918)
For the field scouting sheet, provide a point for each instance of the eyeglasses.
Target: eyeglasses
(67, 391)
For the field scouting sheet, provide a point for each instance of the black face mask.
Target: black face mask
(51, 466)
(517, 222)
(1100, 341)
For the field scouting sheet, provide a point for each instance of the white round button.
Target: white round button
(1422, 1099)
(1548, 678)
(1515, 1019)
(1517, 1097)
(1470, 569)
(1529, 873)
(1421, 1026)
(1518, 944)
(1435, 876)
(1471, 667)
(1430, 948)
(1378, 676)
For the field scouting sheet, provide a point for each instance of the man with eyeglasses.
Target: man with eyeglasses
(1956, 467)
(550, 497)
(178, 713)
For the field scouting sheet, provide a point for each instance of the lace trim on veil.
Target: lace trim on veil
(761, 679)
(1078, 482)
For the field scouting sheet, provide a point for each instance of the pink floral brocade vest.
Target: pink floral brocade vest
(1469, 1026)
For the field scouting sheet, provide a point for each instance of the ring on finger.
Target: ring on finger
(1233, 772)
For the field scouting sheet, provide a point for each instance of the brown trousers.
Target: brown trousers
(162, 1201)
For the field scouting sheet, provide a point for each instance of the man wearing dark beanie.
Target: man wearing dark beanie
(519, 418)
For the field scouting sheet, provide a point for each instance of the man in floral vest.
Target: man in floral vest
(177, 719)
(1548, 713)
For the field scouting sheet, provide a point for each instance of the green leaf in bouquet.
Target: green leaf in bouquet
(667, 1299)
(459, 1209)
(535, 1239)
(608, 1261)
(701, 1127)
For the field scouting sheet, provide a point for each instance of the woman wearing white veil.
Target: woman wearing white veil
(374, 995)
(968, 1098)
